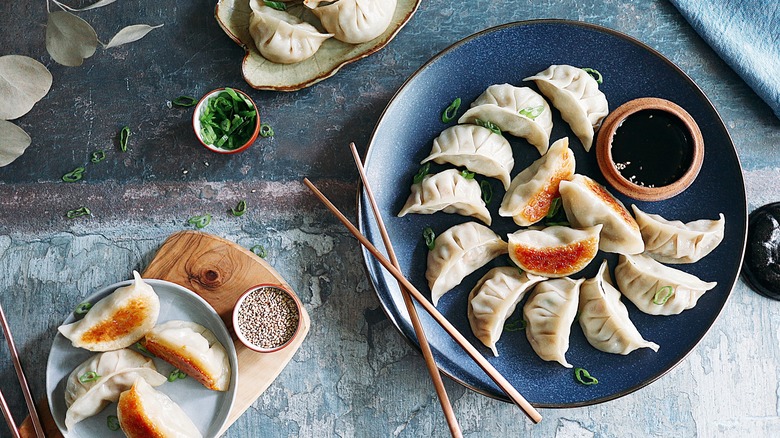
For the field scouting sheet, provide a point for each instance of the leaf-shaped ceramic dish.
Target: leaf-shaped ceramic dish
(233, 16)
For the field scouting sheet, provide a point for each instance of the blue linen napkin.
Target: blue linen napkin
(746, 34)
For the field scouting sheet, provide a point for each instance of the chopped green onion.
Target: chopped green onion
(124, 135)
(532, 112)
(555, 206)
(558, 224)
(239, 209)
(516, 325)
(74, 175)
(176, 375)
(208, 134)
(89, 376)
(98, 156)
(418, 177)
(266, 130)
(487, 191)
(200, 221)
(489, 125)
(227, 120)
(279, 6)
(583, 376)
(112, 422)
(138, 346)
(185, 101)
(466, 174)
(595, 75)
(430, 238)
(82, 308)
(259, 251)
(451, 111)
(662, 295)
(81, 211)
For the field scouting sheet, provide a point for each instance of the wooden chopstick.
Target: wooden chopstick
(430, 362)
(9, 418)
(36, 421)
(502, 383)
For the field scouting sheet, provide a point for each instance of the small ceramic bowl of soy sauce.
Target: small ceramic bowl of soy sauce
(650, 149)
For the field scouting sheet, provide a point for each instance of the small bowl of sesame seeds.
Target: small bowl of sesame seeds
(267, 317)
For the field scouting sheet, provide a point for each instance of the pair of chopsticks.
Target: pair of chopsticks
(36, 421)
(406, 286)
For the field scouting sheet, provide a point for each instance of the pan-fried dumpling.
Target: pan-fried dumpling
(549, 313)
(118, 320)
(675, 242)
(493, 300)
(144, 412)
(555, 251)
(588, 203)
(99, 380)
(282, 37)
(657, 289)
(458, 252)
(577, 96)
(194, 350)
(519, 111)
(604, 318)
(447, 191)
(476, 148)
(532, 191)
(354, 21)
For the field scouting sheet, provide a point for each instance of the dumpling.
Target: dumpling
(144, 412)
(450, 192)
(493, 300)
(532, 191)
(282, 37)
(675, 242)
(194, 350)
(99, 380)
(588, 203)
(458, 252)
(476, 148)
(354, 21)
(577, 96)
(555, 251)
(549, 313)
(604, 318)
(657, 289)
(519, 111)
(118, 320)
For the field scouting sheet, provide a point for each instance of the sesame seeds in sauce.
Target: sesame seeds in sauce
(268, 317)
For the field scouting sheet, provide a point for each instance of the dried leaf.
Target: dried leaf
(23, 82)
(69, 39)
(98, 4)
(130, 34)
(13, 142)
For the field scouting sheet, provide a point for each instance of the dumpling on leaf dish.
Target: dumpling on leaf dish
(282, 37)
(493, 300)
(144, 412)
(449, 192)
(604, 318)
(533, 190)
(555, 251)
(577, 96)
(676, 242)
(519, 111)
(118, 320)
(549, 313)
(458, 252)
(476, 148)
(354, 21)
(657, 289)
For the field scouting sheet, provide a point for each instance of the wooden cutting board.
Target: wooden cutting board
(219, 271)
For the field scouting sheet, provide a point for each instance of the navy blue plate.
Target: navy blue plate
(508, 53)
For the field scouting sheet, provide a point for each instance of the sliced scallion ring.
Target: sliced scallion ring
(81, 211)
(74, 175)
(89, 376)
(466, 174)
(489, 125)
(451, 111)
(583, 376)
(430, 238)
(516, 325)
(424, 169)
(98, 156)
(259, 251)
(487, 191)
(532, 112)
(112, 422)
(662, 295)
(82, 308)
(266, 130)
(239, 209)
(279, 6)
(594, 74)
(124, 136)
(185, 101)
(200, 221)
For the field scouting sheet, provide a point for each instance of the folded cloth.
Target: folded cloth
(746, 34)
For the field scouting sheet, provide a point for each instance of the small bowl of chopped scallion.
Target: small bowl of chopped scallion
(226, 121)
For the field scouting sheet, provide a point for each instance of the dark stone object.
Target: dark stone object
(761, 268)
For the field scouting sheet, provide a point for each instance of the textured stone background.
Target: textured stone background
(354, 375)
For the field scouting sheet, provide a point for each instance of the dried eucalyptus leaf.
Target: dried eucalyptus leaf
(23, 82)
(130, 34)
(69, 39)
(98, 4)
(13, 142)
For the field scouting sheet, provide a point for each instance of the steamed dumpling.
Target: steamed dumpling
(118, 320)
(282, 37)
(532, 191)
(555, 251)
(493, 300)
(99, 380)
(676, 242)
(458, 252)
(577, 96)
(449, 192)
(657, 289)
(519, 111)
(588, 203)
(549, 313)
(604, 318)
(194, 350)
(355, 21)
(476, 148)
(144, 412)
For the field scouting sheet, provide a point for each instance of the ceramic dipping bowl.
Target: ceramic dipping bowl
(267, 317)
(198, 127)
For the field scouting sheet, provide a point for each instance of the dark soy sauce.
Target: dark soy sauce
(652, 148)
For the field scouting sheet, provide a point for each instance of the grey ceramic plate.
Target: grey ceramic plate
(208, 409)
(403, 136)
